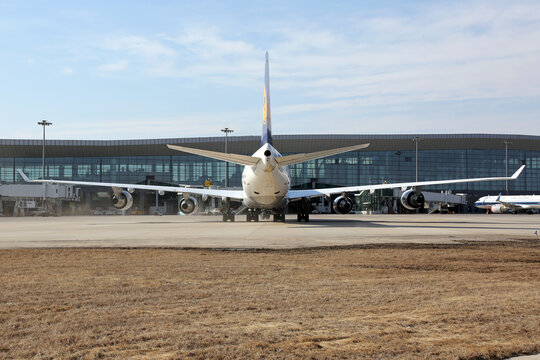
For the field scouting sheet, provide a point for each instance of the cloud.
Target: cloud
(435, 54)
(206, 43)
(160, 127)
(67, 71)
(138, 45)
(114, 67)
(462, 51)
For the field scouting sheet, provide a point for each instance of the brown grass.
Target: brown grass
(408, 302)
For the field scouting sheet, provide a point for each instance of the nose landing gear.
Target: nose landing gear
(252, 215)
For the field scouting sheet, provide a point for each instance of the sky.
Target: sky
(141, 70)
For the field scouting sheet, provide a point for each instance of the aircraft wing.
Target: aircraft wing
(514, 206)
(295, 194)
(232, 194)
(511, 205)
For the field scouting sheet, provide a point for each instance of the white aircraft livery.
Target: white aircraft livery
(508, 203)
(266, 181)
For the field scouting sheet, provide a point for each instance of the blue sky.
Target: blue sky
(134, 69)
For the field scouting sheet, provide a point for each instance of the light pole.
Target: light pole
(226, 131)
(506, 143)
(417, 140)
(43, 123)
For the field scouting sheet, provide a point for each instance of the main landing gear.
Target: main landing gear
(302, 216)
(279, 216)
(304, 208)
(228, 215)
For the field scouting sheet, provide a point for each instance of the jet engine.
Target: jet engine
(342, 205)
(122, 201)
(411, 200)
(498, 209)
(188, 206)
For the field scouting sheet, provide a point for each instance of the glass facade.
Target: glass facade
(353, 168)
(359, 168)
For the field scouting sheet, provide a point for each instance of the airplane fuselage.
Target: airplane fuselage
(523, 202)
(266, 184)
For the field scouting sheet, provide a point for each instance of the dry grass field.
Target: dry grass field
(469, 301)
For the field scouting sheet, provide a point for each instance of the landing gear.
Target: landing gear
(304, 208)
(252, 215)
(228, 216)
(302, 216)
(279, 216)
(265, 214)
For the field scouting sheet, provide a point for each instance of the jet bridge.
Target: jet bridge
(27, 199)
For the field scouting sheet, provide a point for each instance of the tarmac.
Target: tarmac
(211, 232)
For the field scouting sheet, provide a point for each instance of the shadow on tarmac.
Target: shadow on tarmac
(346, 223)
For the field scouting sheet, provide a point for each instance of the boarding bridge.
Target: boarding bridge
(27, 199)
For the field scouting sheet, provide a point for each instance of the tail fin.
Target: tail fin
(267, 122)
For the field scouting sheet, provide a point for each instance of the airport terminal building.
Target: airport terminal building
(389, 158)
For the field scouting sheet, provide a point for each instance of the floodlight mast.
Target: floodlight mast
(43, 123)
(226, 131)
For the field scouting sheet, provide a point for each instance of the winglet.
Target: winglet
(518, 171)
(23, 175)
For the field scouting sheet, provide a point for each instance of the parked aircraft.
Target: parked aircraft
(508, 203)
(266, 181)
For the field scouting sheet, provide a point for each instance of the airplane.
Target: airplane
(266, 181)
(508, 203)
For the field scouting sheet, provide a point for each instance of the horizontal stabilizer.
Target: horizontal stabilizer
(298, 158)
(232, 158)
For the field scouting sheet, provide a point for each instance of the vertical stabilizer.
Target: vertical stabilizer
(267, 123)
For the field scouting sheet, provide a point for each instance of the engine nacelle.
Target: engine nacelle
(342, 205)
(411, 200)
(498, 209)
(188, 206)
(122, 201)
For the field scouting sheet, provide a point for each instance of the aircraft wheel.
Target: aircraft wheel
(252, 215)
(279, 217)
(302, 216)
(228, 216)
